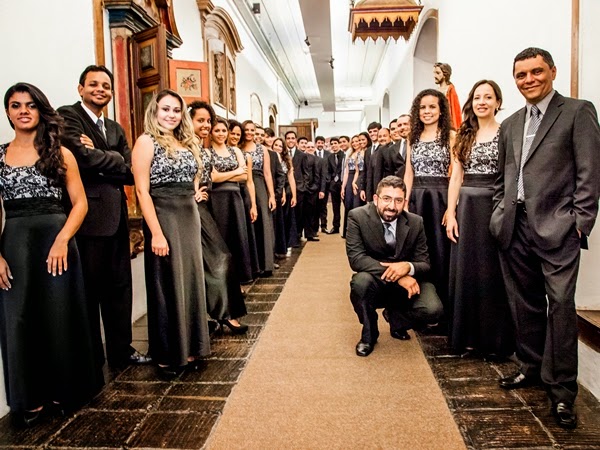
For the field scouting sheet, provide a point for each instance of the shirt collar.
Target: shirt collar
(542, 104)
(93, 116)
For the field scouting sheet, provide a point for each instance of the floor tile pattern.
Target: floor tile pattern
(492, 418)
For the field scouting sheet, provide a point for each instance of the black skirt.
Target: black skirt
(223, 294)
(429, 199)
(227, 208)
(349, 199)
(263, 226)
(279, 225)
(177, 316)
(46, 344)
(480, 312)
(289, 219)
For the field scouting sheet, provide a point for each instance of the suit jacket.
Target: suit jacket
(394, 163)
(334, 169)
(366, 246)
(314, 170)
(373, 172)
(324, 186)
(560, 175)
(104, 169)
(277, 174)
(301, 174)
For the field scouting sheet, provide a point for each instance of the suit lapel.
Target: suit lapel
(518, 135)
(401, 232)
(548, 120)
(376, 227)
(97, 137)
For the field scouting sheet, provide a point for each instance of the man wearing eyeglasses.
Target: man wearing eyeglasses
(387, 248)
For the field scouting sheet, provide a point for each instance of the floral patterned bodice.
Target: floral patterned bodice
(224, 164)
(24, 182)
(258, 158)
(483, 158)
(430, 159)
(181, 168)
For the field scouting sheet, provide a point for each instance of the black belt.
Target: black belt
(24, 207)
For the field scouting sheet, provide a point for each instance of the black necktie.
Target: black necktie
(388, 235)
(337, 178)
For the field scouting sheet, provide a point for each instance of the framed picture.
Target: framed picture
(189, 79)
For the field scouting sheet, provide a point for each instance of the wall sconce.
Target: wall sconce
(307, 42)
(331, 62)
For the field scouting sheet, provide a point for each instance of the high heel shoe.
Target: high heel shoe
(169, 373)
(235, 329)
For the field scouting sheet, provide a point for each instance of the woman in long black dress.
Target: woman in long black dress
(226, 202)
(223, 294)
(427, 167)
(166, 163)
(47, 350)
(364, 142)
(480, 315)
(289, 231)
(354, 164)
(265, 198)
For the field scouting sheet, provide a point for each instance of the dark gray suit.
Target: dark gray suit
(394, 159)
(540, 247)
(103, 238)
(366, 248)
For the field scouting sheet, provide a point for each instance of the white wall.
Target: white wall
(40, 47)
(189, 25)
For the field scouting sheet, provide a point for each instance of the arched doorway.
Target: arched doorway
(425, 54)
(273, 117)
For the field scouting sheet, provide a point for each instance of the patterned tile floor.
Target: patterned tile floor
(492, 418)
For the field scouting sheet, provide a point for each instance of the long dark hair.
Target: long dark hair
(47, 137)
(365, 134)
(196, 105)
(285, 153)
(468, 130)
(443, 126)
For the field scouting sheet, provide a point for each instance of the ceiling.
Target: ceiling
(281, 29)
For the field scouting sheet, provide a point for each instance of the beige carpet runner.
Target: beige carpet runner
(304, 387)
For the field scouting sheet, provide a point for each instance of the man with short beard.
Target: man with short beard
(387, 248)
(394, 156)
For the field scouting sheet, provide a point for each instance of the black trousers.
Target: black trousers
(322, 208)
(299, 211)
(106, 265)
(369, 292)
(541, 292)
(335, 189)
(310, 214)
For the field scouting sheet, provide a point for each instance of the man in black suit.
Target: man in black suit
(104, 160)
(373, 167)
(322, 154)
(545, 205)
(394, 156)
(387, 248)
(334, 175)
(301, 177)
(313, 187)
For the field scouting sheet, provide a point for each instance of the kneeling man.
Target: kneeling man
(387, 248)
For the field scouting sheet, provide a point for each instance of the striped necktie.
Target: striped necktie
(534, 124)
(100, 125)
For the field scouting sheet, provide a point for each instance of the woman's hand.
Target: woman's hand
(272, 203)
(253, 213)
(283, 199)
(57, 258)
(355, 188)
(343, 193)
(293, 202)
(201, 195)
(160, 247)
(451, 227)
(5, 275)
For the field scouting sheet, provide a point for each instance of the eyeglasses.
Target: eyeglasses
(387, 199)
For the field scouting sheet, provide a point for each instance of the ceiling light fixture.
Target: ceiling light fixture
(307, 42)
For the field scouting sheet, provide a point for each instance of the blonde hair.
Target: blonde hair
(182, 136)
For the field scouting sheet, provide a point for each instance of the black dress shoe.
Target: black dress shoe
(32, 418)
(333, 231)
(364, 349)
(401, 334)
(324, 230)
(517, 380)
(169, 373)
(137, 358)
(565, 415)
(313, 239)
